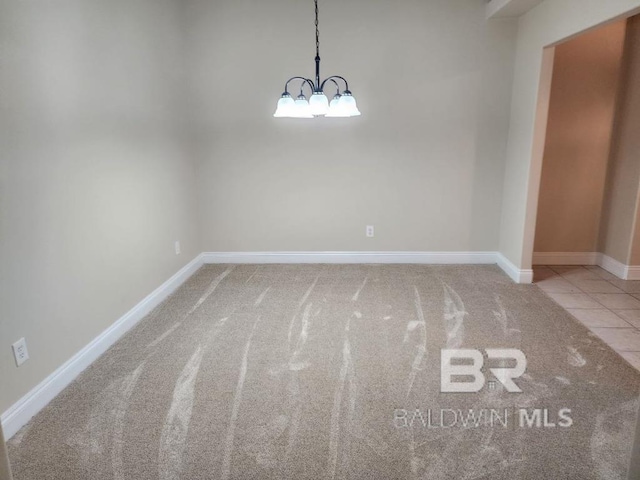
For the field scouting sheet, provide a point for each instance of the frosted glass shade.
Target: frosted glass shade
(319, 104)
(335, 110)
(302, 108)
(348, 105)
(286, 107)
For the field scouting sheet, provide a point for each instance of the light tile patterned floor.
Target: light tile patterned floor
(608, 306)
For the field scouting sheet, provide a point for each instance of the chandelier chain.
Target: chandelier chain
(317, 32)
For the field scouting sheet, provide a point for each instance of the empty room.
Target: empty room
(319, 239)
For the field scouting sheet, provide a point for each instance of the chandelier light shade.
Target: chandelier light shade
(342, 105)
(301, 108)
(286, 106)
(319, 104)
(348, 105)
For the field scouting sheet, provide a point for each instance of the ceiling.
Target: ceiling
(510, 8)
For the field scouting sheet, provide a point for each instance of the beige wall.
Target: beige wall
(635, 242)
(424, 164)
(95, 182)
(548, 23)
(621, 205)
(580, 122)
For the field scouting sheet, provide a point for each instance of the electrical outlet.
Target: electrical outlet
(177, 245)
(20, 351)
(370, 231)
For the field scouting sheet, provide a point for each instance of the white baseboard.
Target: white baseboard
(518, 275)
(611, 265)
(633, 272)
(426, 258)
(619, 269)
(24, 409)
(565, 258)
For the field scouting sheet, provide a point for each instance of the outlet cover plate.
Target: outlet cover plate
(20, 352)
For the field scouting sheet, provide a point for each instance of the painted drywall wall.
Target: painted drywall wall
(621, 202)
(424, 164)
(584, 91)
(550, 22)
(95, 183)
(635, 242)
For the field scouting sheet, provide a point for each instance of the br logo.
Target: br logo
(466, 367)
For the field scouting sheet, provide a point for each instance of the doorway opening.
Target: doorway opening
(588, 205)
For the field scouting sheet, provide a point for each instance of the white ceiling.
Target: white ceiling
(510, 8)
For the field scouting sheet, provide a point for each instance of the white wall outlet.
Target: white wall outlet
(370, 231)
(178, 250)
(20, 351)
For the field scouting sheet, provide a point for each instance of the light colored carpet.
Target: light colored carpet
(300, 372)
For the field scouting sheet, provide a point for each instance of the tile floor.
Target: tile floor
(608, 306)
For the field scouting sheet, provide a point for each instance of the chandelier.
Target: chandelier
(342, 105)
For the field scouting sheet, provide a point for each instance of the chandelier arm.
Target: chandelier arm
(336, 84)
(332, 79)
(304, 80)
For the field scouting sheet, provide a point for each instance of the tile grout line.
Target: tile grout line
(591, 294)
(604, 307)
